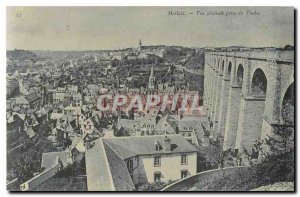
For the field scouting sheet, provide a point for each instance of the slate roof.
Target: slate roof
(120, 175)
(97, 169)
(50, 159)
(21, 100)
(32, 97)
(30, 132)
(13, 117)
(186, 125)
(151, 120)
(127, 123)
(106, 169)
(166, 124)
(127, 147)
(55, 115)
(43, 111)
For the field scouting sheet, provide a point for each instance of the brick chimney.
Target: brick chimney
(167, 144)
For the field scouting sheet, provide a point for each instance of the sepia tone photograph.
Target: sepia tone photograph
(168, 99)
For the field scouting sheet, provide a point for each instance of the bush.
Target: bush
(277, 154)
(156, 186)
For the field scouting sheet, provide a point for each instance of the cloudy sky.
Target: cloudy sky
(92, 28)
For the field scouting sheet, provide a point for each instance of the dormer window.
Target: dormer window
(157, 146)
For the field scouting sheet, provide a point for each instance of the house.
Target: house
(41, 178)
(48, 97)
(22, 102)
(166, 125)
(31, 131)
(10, 103)
(108, 133)
(49, 159)
(31, 125)
(58, 97)
(43, 114)
(118, 55)
(15, 122)
(34, 100)
(121, 163)
(72, 89)
(52, 162)
(56, 137)
(76, 99)
(67, 123)
(91, 124)
(194, 130)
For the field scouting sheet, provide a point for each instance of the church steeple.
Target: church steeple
(140, 44)
(151, 79)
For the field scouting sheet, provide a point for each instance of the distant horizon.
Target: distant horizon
(113, 28)
(147, 45)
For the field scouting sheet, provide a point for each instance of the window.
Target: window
(183, 159)
(157, 161)
(157, 147)
(130, 165)
(184, 174)
(157, 176)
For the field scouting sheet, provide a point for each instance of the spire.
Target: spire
(140, 44)
(151, 79)
(151, 74)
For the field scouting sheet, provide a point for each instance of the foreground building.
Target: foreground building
(121, 163)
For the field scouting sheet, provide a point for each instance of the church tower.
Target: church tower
(151, 79)
(140, 45)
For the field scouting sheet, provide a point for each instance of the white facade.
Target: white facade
(170, 167)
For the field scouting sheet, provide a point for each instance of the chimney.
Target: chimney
(88, 144)
(206, 140)
(167, 144)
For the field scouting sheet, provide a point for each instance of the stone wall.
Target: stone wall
(235, 110)
(203, 177)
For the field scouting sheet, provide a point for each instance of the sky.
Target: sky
(100, 28)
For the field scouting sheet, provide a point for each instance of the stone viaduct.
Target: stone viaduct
(247, 92)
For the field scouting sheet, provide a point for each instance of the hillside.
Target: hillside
(173, 54)
(281, 186)
(196, 61)
(20, 54)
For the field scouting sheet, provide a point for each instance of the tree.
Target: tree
(66, 171)
(277, 154)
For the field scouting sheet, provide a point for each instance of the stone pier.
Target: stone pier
(245, 104)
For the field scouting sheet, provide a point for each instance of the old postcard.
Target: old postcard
(150, 99)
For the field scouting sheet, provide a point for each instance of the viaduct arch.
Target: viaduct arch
(246, 93)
